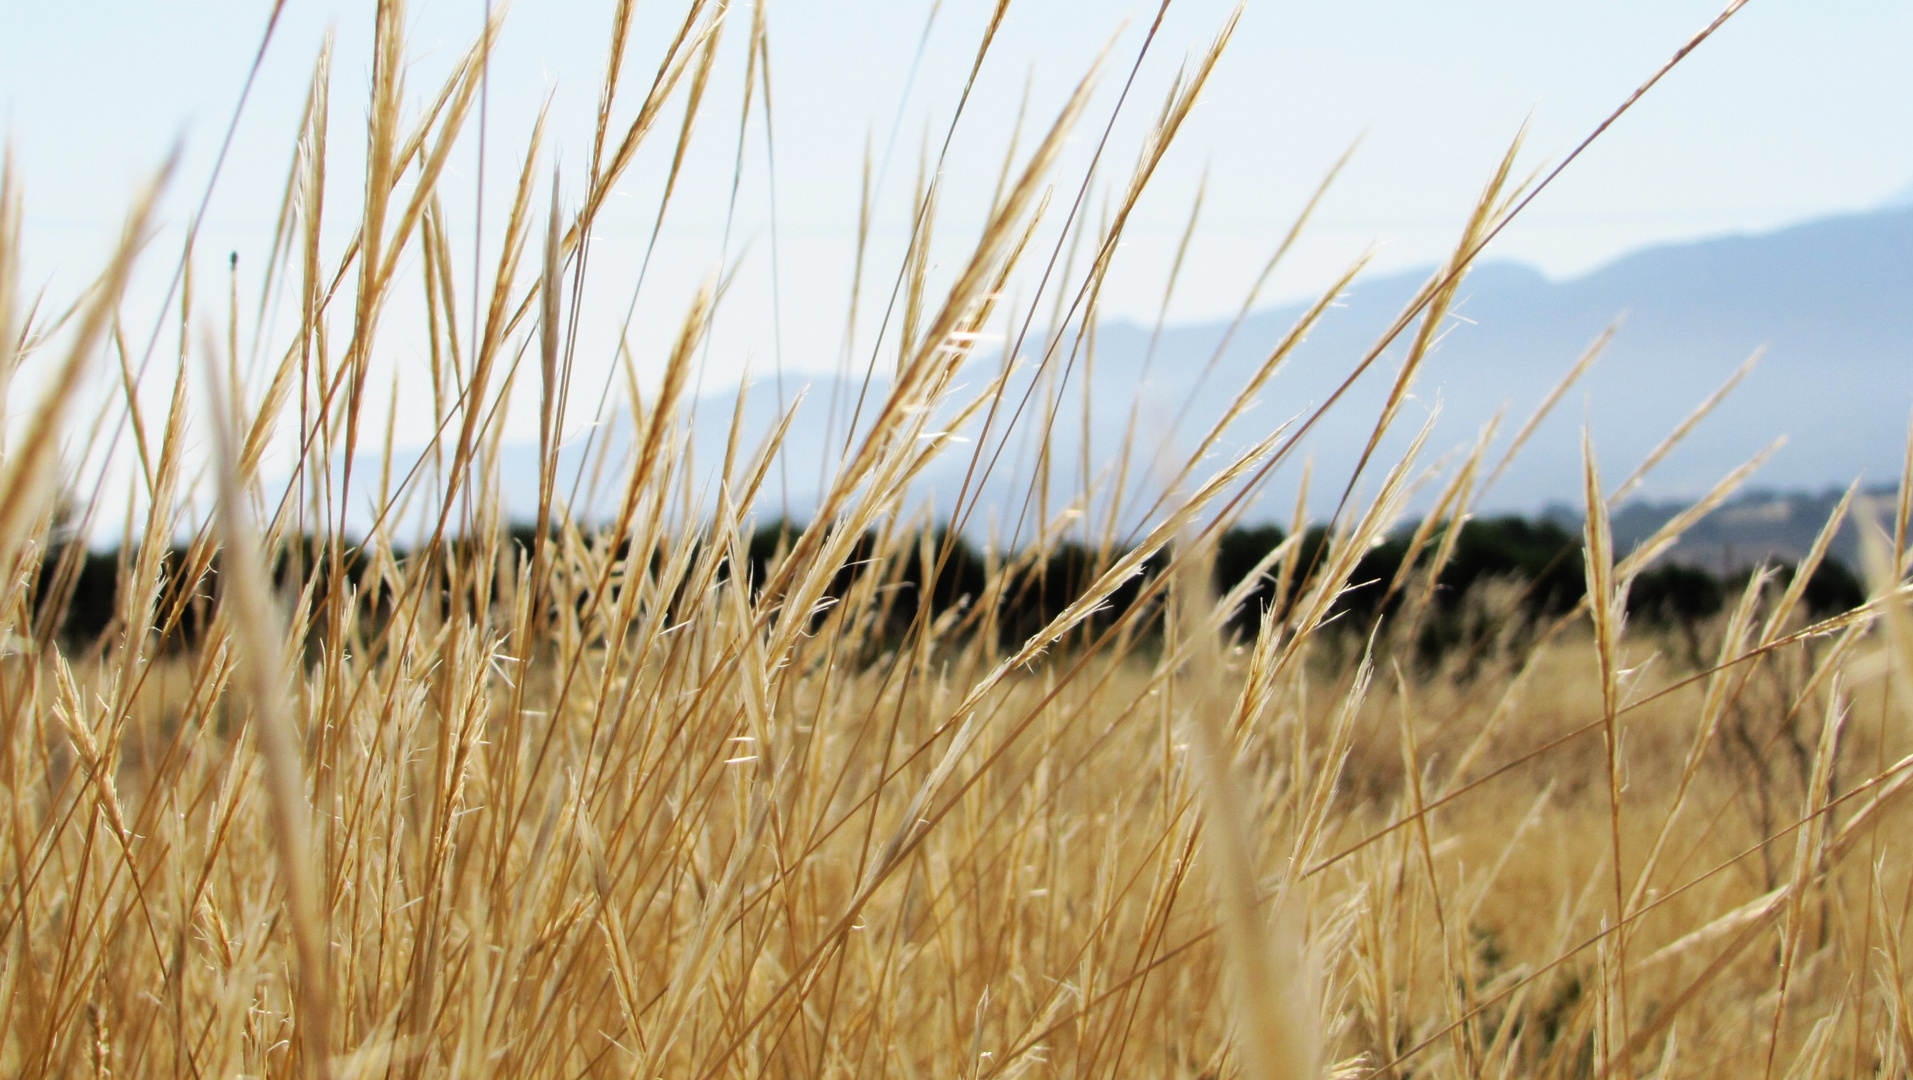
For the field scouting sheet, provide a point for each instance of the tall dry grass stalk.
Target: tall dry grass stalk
(607, 805)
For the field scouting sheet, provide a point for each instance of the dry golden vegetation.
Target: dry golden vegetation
(606, 805)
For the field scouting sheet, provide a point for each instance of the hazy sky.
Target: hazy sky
(1796, 109)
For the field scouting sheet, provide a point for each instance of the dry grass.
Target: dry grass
(604, 808)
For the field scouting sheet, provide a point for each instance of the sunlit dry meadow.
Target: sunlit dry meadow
(614, 795)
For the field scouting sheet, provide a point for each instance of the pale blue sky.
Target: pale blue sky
(1797, 109)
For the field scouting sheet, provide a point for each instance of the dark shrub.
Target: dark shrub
(1675, 595)
(1237, 552)
(1832, 590)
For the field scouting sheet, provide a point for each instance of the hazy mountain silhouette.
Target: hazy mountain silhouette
(1830, 300)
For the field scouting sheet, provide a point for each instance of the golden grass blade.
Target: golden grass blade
(260, 634)
(1669, 533)
(1607, 604)
(1681, 430)
(1274, 999)
(1588, 357)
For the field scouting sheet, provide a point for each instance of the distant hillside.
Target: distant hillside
(1757, 528)
(1831, 300)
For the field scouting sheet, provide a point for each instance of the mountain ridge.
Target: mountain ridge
(1829, 301)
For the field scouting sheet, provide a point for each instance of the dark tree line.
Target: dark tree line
(1538, 561)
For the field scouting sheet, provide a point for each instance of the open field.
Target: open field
(637, 798)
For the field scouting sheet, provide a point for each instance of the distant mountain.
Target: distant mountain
(1830, 300)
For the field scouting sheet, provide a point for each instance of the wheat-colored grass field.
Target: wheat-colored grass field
(618, 796)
